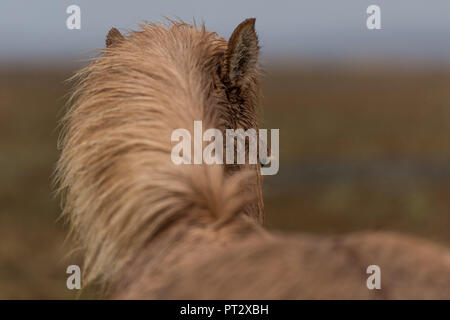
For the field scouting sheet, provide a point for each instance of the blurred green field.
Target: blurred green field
(361, 148)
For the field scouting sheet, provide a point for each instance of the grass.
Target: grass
(360, 149)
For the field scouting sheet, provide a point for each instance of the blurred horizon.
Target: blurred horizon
(413, 32)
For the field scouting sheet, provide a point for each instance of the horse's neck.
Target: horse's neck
(181, 245)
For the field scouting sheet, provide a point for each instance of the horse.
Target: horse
(152, 229)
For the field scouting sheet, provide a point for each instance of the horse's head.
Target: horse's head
(226, 71)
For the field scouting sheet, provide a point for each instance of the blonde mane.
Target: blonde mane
(118, 184)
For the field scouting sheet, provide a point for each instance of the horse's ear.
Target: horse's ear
(241, 58)
(114, 37)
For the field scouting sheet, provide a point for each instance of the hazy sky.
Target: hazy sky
(304, 29)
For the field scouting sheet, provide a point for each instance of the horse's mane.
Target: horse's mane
(118, 184)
